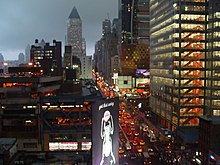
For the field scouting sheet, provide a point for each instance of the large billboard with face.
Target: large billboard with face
(105, 132)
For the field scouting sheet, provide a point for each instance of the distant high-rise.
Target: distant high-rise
(74, 33)
(21, 58)
(1, 60)
(27, 53)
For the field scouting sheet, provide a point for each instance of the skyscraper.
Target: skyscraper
(74, 33)
(133, 50)
(134, 18)
(178, 67)
(21, 58)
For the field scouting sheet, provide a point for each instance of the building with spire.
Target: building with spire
(74, 33)
(78, 46)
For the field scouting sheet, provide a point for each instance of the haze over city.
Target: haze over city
(24, 21)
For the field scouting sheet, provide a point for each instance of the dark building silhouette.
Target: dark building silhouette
(47, 56)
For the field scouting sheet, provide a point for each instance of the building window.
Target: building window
(125, 81)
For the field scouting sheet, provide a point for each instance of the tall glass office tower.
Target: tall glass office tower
(178, 61)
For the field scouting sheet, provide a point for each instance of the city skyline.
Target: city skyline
(20, 26)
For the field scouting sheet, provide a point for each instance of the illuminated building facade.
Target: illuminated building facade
(133, 50)
(45, 113)
(178, 55)
(19, 105)
(213, 59)
(74, 33)
(106, 48)
(132, 57)
(134, 18)
(66, 118)
(47, 57)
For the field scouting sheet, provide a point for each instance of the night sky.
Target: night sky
(23, 21)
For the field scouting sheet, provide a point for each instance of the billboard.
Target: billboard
(142, 73)
(142, 82)
(105, 132)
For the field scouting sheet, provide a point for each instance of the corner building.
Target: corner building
(178, 54)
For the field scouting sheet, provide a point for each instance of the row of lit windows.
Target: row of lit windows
(217, 14)
(216, 24)
(194, 8)
(159, 72)
(187, 26)
(38, 58)
(161, 56)
(193, 17)
(157, 9)
(195, 45)
(185, 45)
(189, 73)
(164, 47)
(162, 26)
(162, 80)
(48, 54)
(216, 112)
(188, 83)
(194, 36)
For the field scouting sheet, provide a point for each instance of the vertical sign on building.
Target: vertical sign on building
(105, 131)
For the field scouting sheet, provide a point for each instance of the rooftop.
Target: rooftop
(6, 144)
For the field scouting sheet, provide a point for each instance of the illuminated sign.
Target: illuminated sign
(105, 132)
(86, 145)
(142, 73)
(142, 82)
(54, 146)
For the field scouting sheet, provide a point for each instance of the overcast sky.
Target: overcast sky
(23, 21)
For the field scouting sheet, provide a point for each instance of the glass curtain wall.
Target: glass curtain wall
(178, 61)
(213, 59)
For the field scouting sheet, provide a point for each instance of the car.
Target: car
(127, 146)
(134, 143)
(136, 133)
(128, 116)
(120, 150)
(142, 142)
(144, 127)
(153, 139)
(133, 156)
(132, 128)
(139, 149)
(129, 133)
(150, 151)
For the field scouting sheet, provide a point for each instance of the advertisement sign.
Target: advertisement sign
(105, 132)
(142, 82)
(142, 73)
(57, 146)
(86, 145)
